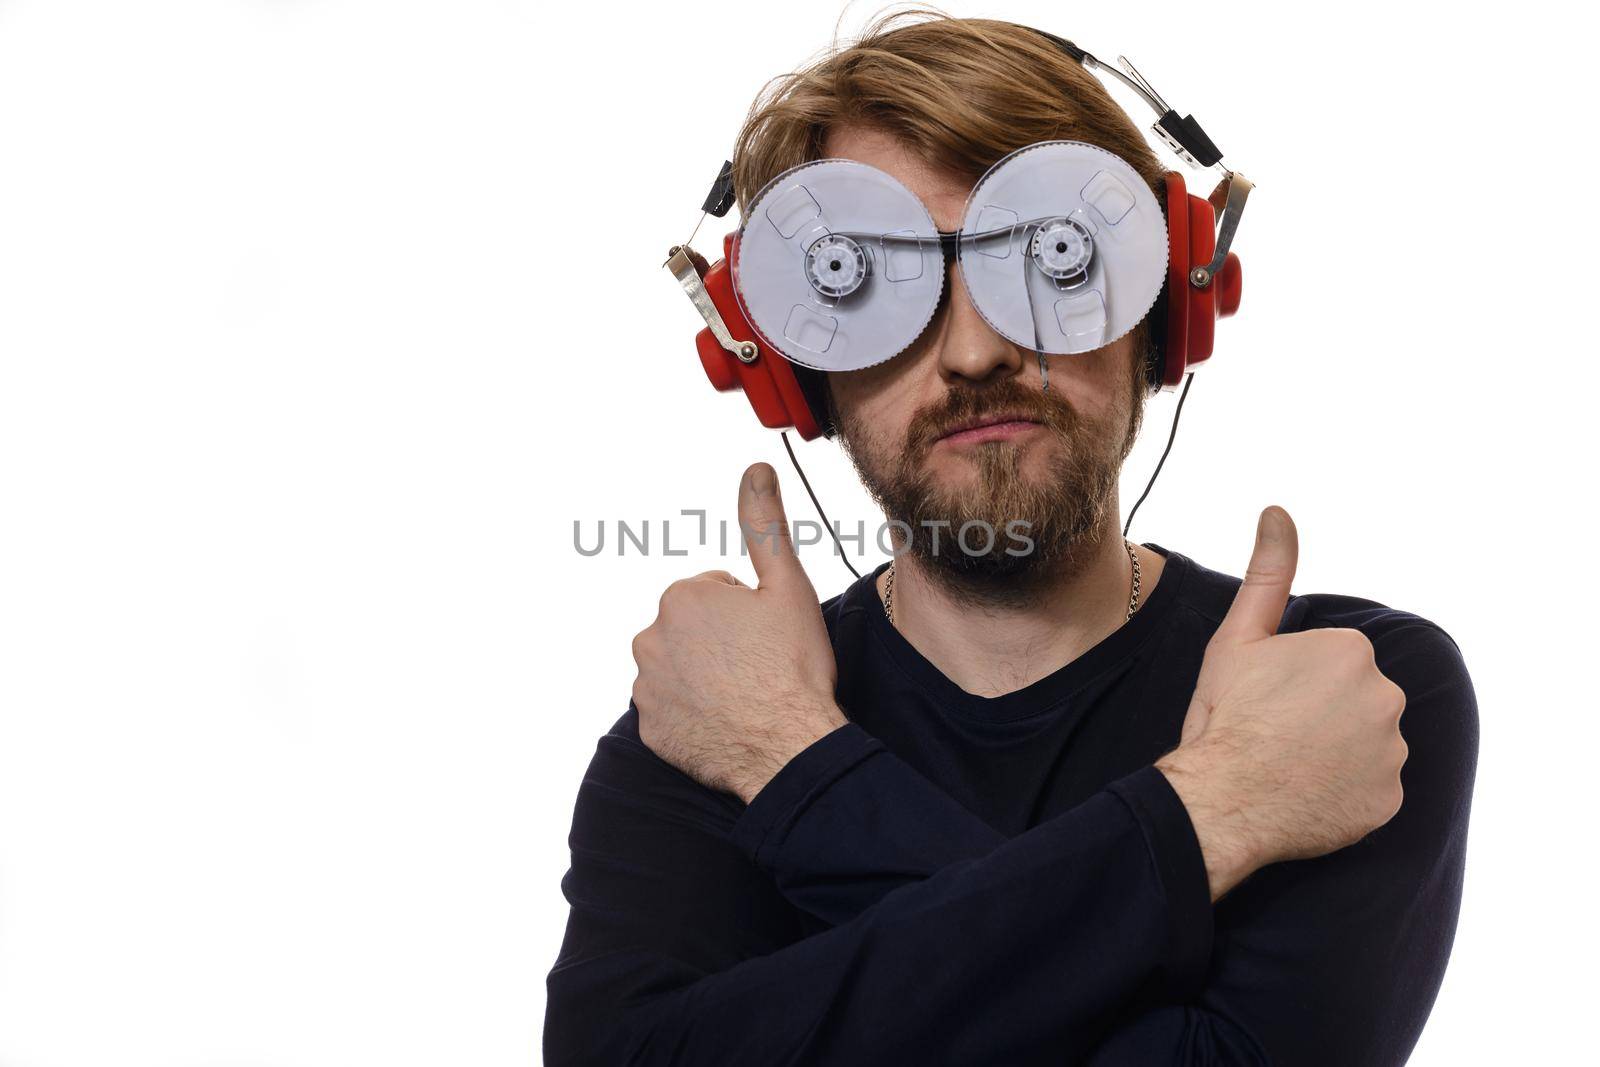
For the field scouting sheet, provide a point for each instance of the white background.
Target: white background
(321, 321)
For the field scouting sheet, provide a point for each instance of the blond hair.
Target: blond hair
(961, 93)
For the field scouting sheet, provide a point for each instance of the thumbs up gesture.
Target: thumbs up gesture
(1291, 746)
(734, 682)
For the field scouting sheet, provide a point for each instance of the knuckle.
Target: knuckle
(1387, 702)
(1391, 792)
(646, 643)
(1355, 643)
(675, 593)
(1350, 655)
(1396, 798)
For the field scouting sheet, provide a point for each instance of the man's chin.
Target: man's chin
(1010, 574)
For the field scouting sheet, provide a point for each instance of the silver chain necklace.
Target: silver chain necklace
(1133, 595)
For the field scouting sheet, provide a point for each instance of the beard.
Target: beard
(966, 535)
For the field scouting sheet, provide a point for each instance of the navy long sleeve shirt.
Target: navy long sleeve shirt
(959, 879)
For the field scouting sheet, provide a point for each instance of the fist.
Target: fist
(734, 682)
(1291, 746)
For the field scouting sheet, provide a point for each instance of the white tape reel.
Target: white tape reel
(1063, 248)
(838, 265)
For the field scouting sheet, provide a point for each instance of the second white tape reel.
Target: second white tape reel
(1063, 247)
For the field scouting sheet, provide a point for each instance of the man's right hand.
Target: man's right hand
(1291, 747)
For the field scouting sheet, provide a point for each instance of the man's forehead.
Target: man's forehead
(942, 191)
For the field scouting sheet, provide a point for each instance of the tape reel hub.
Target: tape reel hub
(835, 266)
(1061, 249)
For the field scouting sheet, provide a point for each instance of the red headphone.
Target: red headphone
(1200, 286)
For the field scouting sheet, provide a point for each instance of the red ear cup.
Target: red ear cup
(769, 380)
(1192, 313)
(1229, 283)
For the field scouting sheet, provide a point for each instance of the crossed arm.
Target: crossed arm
(855, 912)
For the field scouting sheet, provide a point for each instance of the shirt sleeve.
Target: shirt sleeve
(847, 787)
(1329, 961)
(680, 950)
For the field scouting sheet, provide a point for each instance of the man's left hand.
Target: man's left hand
(734, 682)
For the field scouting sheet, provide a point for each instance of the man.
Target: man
(1093, 803)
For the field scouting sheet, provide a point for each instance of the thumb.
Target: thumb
(1258, 605)
(766, 528)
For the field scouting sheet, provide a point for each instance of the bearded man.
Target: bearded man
(1090, 803)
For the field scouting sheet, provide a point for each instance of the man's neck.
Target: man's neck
(989, 650)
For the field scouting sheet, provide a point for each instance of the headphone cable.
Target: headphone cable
(793, 459)
(1188, 380)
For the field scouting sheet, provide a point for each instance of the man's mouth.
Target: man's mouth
(999, 427)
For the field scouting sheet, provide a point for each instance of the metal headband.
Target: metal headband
(1186, 138)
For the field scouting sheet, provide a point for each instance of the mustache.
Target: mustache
(965, 404)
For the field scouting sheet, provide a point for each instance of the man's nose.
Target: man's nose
(969, 348)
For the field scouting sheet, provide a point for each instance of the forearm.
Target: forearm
(846, 822)
(1051, 932)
